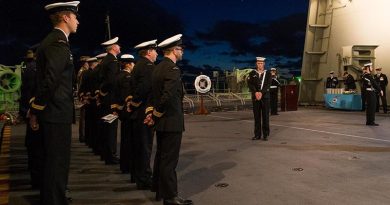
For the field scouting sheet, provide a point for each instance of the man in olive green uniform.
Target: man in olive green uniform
(51, 108)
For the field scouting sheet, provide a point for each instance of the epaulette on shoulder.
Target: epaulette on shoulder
(62, 41)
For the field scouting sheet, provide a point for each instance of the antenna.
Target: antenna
(108, 25)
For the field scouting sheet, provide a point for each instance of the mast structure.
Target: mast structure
(108, 25)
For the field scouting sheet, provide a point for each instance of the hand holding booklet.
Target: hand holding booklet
(110, 118)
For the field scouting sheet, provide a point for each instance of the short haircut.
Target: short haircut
(167, 51)
(144, 52)
(56, 18)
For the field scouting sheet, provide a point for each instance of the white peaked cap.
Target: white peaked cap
(260, 59)
(62, 4)
(127, 56)
(92, 59)
(147, 44)
(110, 42)
(172, 41)
(102, 55)
(368, 65)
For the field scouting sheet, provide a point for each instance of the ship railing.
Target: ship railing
(190, 102)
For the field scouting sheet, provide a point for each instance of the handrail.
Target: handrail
(190, 102)
(219, 104)
(240, 98)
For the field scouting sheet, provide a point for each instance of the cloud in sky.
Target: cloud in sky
(227, 37)
(281, 37)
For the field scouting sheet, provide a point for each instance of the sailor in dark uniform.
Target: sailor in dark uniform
(168, 118)
(108, 73)
(363, 93)
(349, 81)
(85, 90)
(332, 81)
(33, 141)
(259, 81)
(81, 72)
(274, 89)
(372, 89)
(142, 90)
(381, 80)
(97, 136)
(124, 92)
(51, 108)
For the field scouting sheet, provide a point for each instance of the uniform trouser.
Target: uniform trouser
(109, 140)
(82, 124)
(90, 124)
(274, 100)
(363, 99)
(35, 154)
(384, 102)
(57, 140)
(371, 106)
(108, 135)
(98, 141)
(143, 143)
(261, 115)
(165, 163)
(125, 148)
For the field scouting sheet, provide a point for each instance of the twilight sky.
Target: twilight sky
(223, 34)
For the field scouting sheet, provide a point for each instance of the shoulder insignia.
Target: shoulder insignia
(62, 41)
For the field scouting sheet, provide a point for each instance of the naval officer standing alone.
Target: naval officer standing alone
(259, 82)
(51, 110)
(371, 89)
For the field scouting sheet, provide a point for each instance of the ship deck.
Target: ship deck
(313, 156)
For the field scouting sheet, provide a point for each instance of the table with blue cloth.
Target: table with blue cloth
(343, 101)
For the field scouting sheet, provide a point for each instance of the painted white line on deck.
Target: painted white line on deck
(311, 130)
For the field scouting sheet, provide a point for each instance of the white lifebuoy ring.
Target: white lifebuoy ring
(202, 83)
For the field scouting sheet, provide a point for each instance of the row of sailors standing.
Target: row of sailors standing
(128, 94)
(349, 82)
(373, 88)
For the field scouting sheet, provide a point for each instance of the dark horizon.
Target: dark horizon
(225, 38)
